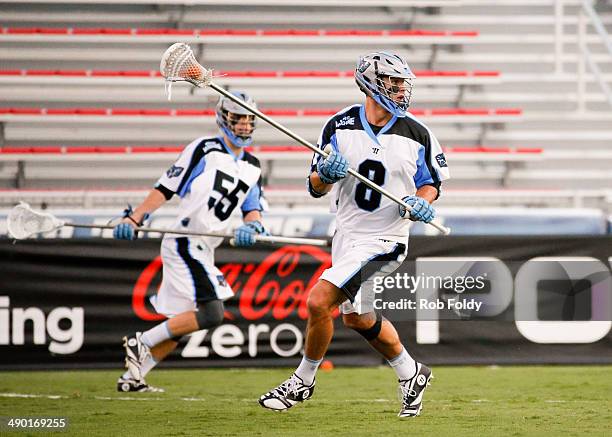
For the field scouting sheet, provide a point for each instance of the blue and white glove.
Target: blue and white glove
(333, 168)
(244, 235)
(126, 230)
(421, 209)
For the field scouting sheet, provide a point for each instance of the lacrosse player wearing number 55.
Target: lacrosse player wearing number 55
(212, 176)
(385, 143)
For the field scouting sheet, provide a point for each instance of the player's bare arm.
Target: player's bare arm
(427, 192)
(154, 200)
(132, 219)
(318, 185)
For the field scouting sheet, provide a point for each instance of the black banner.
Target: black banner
(67, 304)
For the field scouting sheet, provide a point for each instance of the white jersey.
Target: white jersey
(212, 182)
(402, 157)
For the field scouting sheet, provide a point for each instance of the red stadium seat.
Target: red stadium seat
(110, 149)
(156, 112)
(47, 149)
(235, 32)
(105, 73)
(80, 149)
(124, 111)
(108, 31)
(36, 111)
(92, 111)
(280, 112)
(52, 30)
(15, 150)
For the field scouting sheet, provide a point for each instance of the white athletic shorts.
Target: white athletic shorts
(355, 261)
(189, 277)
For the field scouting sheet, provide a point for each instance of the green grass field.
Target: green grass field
(474, 401)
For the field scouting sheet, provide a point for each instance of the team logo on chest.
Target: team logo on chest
(346, 121)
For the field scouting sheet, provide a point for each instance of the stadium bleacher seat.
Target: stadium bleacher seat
(83, 85)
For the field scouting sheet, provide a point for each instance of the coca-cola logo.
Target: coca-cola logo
(276, 287)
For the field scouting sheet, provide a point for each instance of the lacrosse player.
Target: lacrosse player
(212, 176)
(389, 146)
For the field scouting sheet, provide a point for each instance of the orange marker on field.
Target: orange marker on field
(327, 366)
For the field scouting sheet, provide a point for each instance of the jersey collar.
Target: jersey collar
(228, 150)
(368, 129)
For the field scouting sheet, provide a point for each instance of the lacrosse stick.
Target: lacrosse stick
(23, 222)
(179, 64)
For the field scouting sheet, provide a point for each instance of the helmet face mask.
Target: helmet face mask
(387, 79)
(237, 123)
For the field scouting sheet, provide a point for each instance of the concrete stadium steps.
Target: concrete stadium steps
(515, 37)
(569, 137)
(90, 167)
(515, 60)
(528, 97)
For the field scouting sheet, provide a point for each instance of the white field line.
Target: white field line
(126, 398)
(136, 397)
(25, 395)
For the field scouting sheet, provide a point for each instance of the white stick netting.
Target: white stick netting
(23, 222)
(179, 64)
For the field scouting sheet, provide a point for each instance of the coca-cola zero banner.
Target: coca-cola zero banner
(67, 303)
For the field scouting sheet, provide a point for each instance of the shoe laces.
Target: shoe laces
(405, 392)
(287, 387)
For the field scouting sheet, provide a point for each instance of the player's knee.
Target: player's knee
(363, 325)
(209, 314)
(316, 305)
(318, 302)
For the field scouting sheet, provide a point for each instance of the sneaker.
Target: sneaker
(287, 394)
(129, 384)
(411, 391)
(135, 353)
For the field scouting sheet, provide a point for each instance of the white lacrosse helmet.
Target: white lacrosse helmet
(229, 114)
(377, 76)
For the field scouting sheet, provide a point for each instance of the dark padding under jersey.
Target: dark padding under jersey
(209, 314)
(373, 332)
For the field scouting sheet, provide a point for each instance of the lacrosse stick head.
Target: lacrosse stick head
(23, 222)
(178, 63)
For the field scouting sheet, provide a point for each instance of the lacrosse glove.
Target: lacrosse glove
(125, 230)
(244, 235)
(333, 168)
(421, 209)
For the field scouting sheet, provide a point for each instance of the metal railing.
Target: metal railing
(587, 15)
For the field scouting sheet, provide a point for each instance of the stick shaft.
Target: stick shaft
(443, 229)
(261, 238)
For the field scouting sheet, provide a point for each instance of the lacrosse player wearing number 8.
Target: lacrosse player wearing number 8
(212, 176)
(386, 144)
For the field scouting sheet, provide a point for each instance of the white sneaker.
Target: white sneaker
(129, 384)
(135, 354)
(286, 395)
(411, 391)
